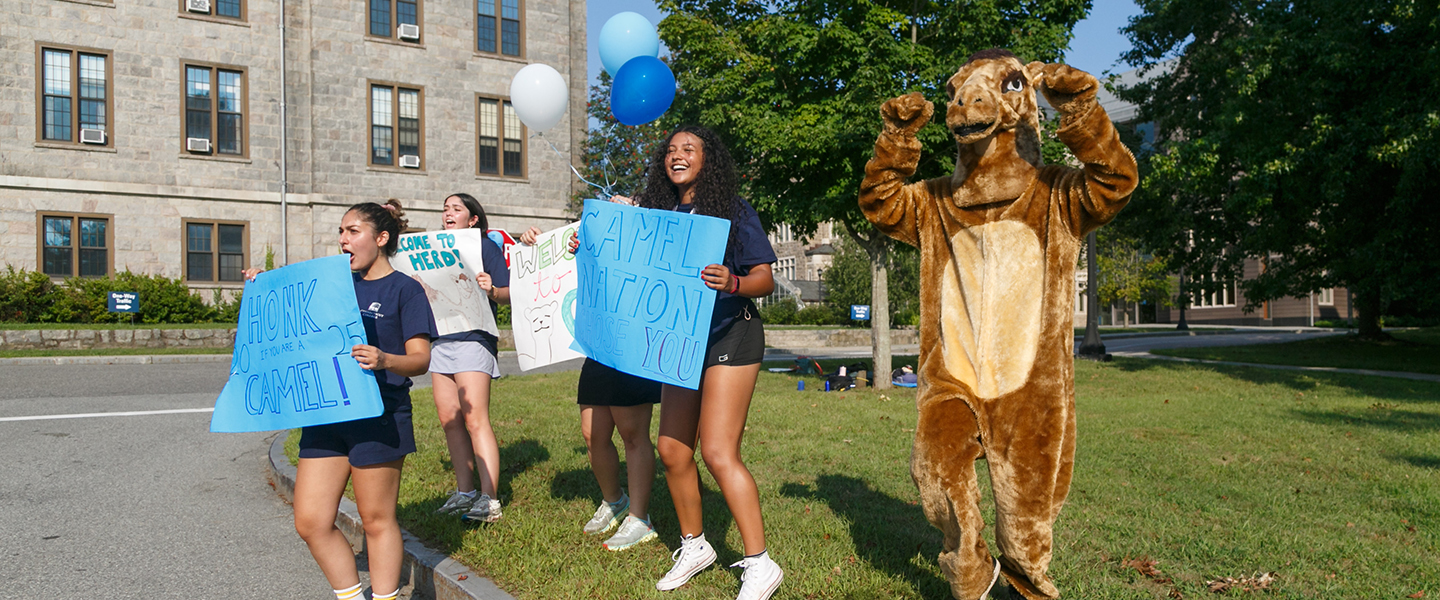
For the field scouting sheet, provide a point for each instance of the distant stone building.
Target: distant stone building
(147, 134)
(801, 263)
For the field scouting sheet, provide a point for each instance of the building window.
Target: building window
(388, 18)
(396, 121)
(215, 251)
(1214, 292)
(75, 245)
(75, 92)
(501, 143)
(499, 21)
(785, 267)
(230, 9)
(1325, 297)
(1081, 290)
(215, 106)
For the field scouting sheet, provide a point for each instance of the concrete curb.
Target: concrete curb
(1394, 374)
(134, 359)
(429, 573)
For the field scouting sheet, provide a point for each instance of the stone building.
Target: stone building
(147, 134)
(801, 262)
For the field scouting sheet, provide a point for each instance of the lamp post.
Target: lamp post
(1092, 348)
(1184, 300)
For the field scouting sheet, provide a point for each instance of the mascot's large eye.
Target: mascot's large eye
(1014, 84)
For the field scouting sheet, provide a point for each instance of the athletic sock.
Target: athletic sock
(389, 596)
(351, 593)
(469, 494)
(624, 498)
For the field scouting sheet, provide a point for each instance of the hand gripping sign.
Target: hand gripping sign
(542, 299)
(292, 365)
(641, 306)
(445, 264)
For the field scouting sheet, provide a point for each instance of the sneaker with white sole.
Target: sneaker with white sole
(693, 555)
(633, 531)
(607, 516)
(486, 510)
(458, 503)
(760, 579)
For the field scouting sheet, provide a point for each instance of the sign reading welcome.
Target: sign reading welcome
(641, 306)
(292, 365)
(542, 299)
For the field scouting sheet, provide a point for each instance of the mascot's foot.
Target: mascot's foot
(1022, 584)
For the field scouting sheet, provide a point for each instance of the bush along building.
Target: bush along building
(188, 138)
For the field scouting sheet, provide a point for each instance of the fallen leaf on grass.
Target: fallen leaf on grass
(1260, 582)
(1419, 594)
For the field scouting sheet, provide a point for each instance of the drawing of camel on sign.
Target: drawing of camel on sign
(542, 296)
(445, 264)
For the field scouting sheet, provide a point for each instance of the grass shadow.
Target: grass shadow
(1417, 460)
(887, 532)
(516, 458)
(1387, 388)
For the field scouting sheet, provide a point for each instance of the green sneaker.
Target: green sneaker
(633, 531)
(607, 516)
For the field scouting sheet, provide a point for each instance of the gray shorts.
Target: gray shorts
(448, 357)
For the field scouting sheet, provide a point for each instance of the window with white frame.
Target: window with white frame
(1325, 297)
(1214, 292)
(785, 267)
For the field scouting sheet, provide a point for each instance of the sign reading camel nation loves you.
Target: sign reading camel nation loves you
(292, 365)
(642, 307)
(445, 264)
(542, 299)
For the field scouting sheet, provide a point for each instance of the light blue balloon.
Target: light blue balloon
(642, 91)
(626, 36)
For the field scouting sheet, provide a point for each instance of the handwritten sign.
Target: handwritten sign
(542, 299)
(642, 307)
(445, 264)
(292, 365)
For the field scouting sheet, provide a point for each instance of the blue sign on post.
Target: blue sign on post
(642, 307)
(123, 302)
(292, 365)
(859, 312)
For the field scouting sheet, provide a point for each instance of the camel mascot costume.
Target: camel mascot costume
(998, 242)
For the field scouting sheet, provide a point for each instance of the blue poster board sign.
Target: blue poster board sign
(292, 365)
(859, 312)
(642, 307)
(123, 302)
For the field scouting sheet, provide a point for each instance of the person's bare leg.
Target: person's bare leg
(597, 427)
(475, 405)
(377, 490)
(634, 425)
(679, 420)
(727, 392)
(457, 439)
(319, 485)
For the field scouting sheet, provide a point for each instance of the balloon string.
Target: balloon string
(605, 191)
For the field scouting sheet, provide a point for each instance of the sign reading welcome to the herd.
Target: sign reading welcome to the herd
(292, 365)
(445, 264)
(641, 306)
(542, 299)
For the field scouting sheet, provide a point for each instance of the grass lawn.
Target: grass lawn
(7, 325)
(1329, 481)
(109, 352)
(1415, 350)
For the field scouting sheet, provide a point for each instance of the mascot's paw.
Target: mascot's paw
(907, 114)
(1066, 88)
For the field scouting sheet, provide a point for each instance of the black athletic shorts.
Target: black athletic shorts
(381, 439)
(742, 342)
(603, 386)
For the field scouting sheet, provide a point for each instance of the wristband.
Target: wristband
(736, 291)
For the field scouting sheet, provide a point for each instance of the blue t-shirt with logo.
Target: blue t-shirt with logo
(749, 247)
(394, 309)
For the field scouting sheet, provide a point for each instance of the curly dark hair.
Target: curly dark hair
(384, 217)
(715, 187)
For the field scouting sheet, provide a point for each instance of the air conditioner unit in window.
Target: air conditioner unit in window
(197, 144)
(92, 136)
(409, 32)
(198, 6)
(410, 161)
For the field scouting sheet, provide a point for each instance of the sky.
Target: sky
(1096, 48)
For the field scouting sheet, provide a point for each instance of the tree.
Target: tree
(795, 86)
(1302, 134)
(615, 154)
(847, 281)
(1128, 274)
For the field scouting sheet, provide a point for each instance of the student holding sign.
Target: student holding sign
(368, 453)
(693, 172)
(462, 367)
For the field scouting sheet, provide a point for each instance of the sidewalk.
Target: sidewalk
(1395, 374)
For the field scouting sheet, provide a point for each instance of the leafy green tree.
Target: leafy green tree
(615, 154)
(795, 87)
(1302, 134)
(1128, 274)
(848, 281)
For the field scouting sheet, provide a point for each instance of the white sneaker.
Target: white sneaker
(760, 579)
(607, 515)
(633, 531)
(693, 555)
(486, 510)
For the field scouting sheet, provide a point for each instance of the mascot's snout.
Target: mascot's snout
(988, 96)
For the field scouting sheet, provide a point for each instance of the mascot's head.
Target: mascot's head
(992, 94)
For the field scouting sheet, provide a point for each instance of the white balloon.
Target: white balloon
(539, 95)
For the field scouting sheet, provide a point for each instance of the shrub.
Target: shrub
(779, 312)
(162, 300)
(226, 311)
(25, 295)
(820, 314)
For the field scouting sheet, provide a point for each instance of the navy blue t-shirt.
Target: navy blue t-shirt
(747, 248)
(394, 309)
(494, 265)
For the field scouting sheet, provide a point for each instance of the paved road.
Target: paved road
(1145, 344)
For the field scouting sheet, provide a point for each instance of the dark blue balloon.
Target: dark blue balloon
(643, 90)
